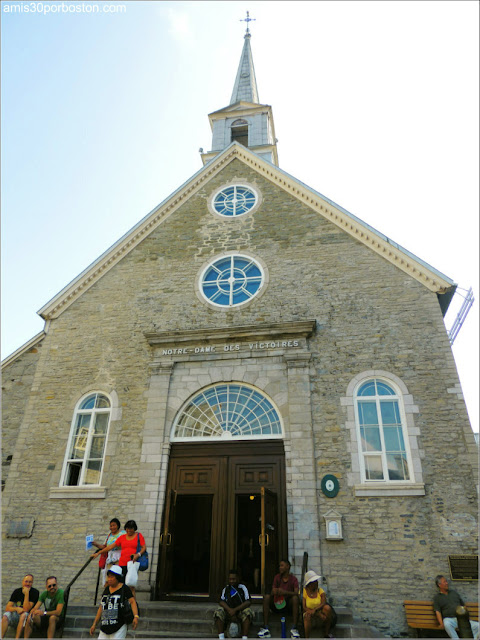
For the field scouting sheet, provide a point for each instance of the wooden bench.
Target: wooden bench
(420, 614)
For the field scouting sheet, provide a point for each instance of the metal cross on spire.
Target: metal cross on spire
(247, 20)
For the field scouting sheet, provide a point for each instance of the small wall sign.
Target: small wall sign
(333, 525)
(330, 485)
(463, 567)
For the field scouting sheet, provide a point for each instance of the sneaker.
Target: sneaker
(331, 636)
(294, 633)
(264, 633)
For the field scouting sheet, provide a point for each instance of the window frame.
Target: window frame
(389, 488)
(235, 184)
(223, 438)
(93, 412)
(231, 255)
(382, 453)
(240, 128)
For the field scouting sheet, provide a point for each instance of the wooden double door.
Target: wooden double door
(225, 507)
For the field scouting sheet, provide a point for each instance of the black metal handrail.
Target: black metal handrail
(304, 571)
(66, 593)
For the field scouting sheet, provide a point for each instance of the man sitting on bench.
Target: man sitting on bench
(445, 604)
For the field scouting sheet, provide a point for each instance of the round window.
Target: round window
(234, 201)
(231, 281)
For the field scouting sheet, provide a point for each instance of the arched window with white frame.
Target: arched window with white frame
(86, 445)
(239, 131)
(227, 410)
(381, 429)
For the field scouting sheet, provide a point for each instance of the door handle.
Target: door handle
(167, 537)
(267, 539)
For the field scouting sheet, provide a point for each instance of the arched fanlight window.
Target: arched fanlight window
(229, 410)
(86, 446)
(239, 130)
(384, 454)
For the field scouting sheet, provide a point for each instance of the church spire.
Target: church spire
(244, 120)
(245, 87)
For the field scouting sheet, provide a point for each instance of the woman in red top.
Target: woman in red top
(128, 543)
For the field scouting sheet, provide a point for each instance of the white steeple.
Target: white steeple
(245, 87)
(245, 119)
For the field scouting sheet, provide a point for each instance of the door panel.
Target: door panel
(195, 475)
(249, 476)
(166, 546)
(269, 526)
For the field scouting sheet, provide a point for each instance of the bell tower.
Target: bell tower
(245, 119)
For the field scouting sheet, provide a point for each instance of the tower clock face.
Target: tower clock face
(234, 201)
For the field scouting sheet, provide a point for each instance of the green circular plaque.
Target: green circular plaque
(330, 485)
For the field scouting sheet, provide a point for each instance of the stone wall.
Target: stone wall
(369, 316)
(17, 377)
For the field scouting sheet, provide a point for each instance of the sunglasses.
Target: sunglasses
(49, 586)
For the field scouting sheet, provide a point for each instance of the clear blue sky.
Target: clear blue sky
(375, 106)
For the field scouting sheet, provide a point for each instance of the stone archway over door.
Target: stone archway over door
(212, 516)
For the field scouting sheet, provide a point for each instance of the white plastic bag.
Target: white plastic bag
(132, 574)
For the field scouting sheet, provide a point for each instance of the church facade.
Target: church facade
(251, 373)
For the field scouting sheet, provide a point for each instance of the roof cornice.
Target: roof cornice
(239, 108)
(404, 260)
(23, 349)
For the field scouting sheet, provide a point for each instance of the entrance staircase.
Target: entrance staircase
(195, 620)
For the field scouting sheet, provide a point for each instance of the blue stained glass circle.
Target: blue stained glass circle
(234, 201)
(232, 280)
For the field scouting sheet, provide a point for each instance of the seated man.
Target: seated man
(445, 604)
(47, 620)
(283, 599)
(20, 603)
(234, 606)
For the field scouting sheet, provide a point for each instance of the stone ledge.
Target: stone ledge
(388, 489)
(78, 492)
(259, 331)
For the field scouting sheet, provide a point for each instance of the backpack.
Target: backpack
(235, 599)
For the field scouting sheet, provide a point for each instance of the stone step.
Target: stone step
(176, 610)
(169, 619)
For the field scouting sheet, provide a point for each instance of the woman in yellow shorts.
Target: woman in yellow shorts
(315, 607)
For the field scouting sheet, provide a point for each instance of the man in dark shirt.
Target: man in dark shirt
(234, 607)
(21, 602)
(283, 598)
(445, 604)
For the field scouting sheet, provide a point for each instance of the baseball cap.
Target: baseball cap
(117, 571)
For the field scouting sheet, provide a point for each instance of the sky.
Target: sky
(104, 109)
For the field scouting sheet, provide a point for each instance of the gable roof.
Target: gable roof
(434, 280)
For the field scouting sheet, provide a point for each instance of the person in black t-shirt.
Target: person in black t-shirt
(19, 605)
(110, 611)
(234, 606)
